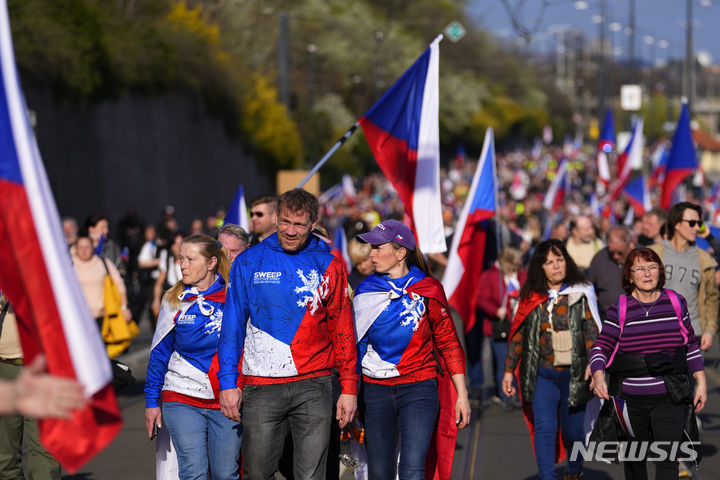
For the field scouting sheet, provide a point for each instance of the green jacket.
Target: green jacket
(530, 360)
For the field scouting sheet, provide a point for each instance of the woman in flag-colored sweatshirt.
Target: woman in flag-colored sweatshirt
(401, 317)
(181, 388)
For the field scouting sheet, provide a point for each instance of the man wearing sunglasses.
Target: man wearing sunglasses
(263, 218)
(690, 271)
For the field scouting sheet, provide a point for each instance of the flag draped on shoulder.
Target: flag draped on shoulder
(465, 262)
(237, 213)
(682, 160)
(403, 133)
(39, 280)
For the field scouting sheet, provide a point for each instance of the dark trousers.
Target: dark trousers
(304, 409)
(408, 411)
(654, 418)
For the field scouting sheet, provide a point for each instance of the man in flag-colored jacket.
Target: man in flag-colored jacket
(288, 314)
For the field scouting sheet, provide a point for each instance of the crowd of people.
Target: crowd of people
(266, 345)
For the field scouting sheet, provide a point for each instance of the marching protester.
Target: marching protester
(555, 325)
(288, 315)
(169, 271)
(181, 389)
(20, 447)
(690, 271)
(402, 316)
(263, 218)
(91, 271)
(497, 297)
(605, 272)
(234, 239)
(582, 244)
(649, 347)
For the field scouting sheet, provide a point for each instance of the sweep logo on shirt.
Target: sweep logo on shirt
(266, 277)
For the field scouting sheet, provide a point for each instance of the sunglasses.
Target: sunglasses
(692, 223)
(256, 214)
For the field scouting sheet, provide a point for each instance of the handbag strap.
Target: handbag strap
(678, 312)
(622, 312)
(4, 311)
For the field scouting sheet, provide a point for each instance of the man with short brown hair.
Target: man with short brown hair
(263, 218)
(288, 314)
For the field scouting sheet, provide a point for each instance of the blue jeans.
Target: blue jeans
(304, 408)
(500, 351)
(552, 391)
(205, 440)
(409, 410)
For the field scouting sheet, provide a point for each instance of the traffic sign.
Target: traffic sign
(455, 31)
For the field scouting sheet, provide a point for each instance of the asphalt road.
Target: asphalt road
(495, 446)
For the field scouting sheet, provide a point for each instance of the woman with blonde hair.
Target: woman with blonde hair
(181, 388)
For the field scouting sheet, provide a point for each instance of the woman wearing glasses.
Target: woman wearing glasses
(648, 346)
(555, 325)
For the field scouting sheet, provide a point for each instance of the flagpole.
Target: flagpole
(498, 226)
(329, 154)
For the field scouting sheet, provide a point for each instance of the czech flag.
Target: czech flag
(349, 189)
(340, 248)
(682, 160)
(39, 280)
(465, 262)
(630, 159)
(560, 184)
(659, 164)
(237, 213)
(606, 144)
(638, 196)
(403, 133)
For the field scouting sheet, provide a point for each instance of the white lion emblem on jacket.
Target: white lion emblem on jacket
(315, 287)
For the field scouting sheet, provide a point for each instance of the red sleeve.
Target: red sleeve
(342, 328)
(488, 296)
(445, 337)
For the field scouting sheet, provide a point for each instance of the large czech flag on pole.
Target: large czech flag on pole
(38, 278)
(403, 133)
(465, 262)
(682, 160)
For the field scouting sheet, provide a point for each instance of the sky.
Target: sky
(660, 25)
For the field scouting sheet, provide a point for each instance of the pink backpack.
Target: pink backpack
(622, 311)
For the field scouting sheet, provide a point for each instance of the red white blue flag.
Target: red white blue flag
(340, 248)
(659, 160)
(237, 213)
(621, 410)
(349, 189)
(403, 133)
(555, 196)
(630, 159)
(638, 196)
(682, 160)
(39, 280)
(465, 262)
